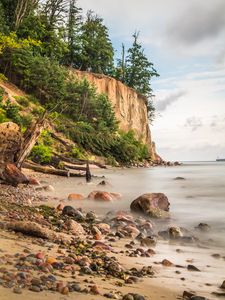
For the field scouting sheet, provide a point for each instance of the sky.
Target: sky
(186, 42)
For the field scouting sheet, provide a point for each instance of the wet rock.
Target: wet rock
(203, 227)
(179, 178)
(69, 211)
(193, 268)
(187, 295)
(175, 232)
(110, 296)
(72, 197)
(96, 233)
(152, 204)
(132, 296)
(128, 297)
(72, 212)
(167, 263)
(104, 183)
(149, 241)
(223, 285)
(198, 298)
(91, 216)
(75, 227)
(100, 196)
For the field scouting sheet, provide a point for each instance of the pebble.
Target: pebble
(35, 288)
(17, 290)
(193, 268)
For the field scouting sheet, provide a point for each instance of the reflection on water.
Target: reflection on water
(198, 198)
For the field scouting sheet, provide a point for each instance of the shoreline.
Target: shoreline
(166, 283)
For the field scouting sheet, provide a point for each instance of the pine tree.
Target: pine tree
(96, 47)
(73, 31)
(139, 70)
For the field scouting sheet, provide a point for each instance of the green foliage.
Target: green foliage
(45, 138)
(96, 53)
(139, 70)
(77, 153)
(23, 101)
(41, 154)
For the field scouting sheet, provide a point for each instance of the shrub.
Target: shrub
(77, 153)
(23, 101)
(41, 154)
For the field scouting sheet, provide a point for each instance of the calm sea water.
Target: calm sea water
(198, 198)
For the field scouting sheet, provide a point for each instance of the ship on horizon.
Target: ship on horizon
(220, 159)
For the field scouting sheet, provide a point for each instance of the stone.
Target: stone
(179, 178)
(150, 203)
(48, 188)
(17, 290)
(223, 285)
(167, 263)
(72, 197)
(203, 227)
(33, 181)
(75, 227)
(193, 268)
(128, 297)
(187, 295)
(72, 212)
(175, 232)
(35, 288)
(103, 227)
(100, 196)
(51, 260)
(94, 290)
(148, 241)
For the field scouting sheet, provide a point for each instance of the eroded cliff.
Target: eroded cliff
(130, 107)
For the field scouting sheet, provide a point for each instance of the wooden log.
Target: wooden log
(53, 171)
(79, 161)
(29, 140)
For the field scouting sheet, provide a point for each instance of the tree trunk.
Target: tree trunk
(29, 140)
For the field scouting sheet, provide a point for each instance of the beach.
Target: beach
(196, 198)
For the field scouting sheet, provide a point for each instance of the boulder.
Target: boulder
(155, 205)
(72, 197)
(175, 232)
(100, 196)
(74, 227)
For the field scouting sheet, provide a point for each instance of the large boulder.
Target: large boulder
(104, 196)
(155, 205)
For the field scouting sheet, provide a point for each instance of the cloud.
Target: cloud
(194, 123)
(198, 23)
(162, 105)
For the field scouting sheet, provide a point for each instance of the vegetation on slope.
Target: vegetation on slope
(38, 40)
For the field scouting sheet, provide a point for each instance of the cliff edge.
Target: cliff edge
(130, 107)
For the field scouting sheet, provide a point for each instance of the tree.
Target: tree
(120, 70)
(73, 30)
(96, 48)
(15, 11)
(139, 70)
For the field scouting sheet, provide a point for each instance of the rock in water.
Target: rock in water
(152, 204)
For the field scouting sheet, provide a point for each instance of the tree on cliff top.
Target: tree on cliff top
(139, 70)
(96, 47)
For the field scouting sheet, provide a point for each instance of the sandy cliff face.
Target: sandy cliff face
(130, 107)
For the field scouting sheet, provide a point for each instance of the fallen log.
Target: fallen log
(52, 171)
(79, 161)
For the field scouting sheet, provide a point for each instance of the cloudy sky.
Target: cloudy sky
(186, 42)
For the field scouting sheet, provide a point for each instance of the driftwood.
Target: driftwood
(79, 161)
(53, 171)
(29, 140)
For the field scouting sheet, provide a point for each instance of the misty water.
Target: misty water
(198, 198)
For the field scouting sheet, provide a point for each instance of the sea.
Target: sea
(198, 198)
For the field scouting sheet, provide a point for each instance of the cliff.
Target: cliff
(130, 107)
